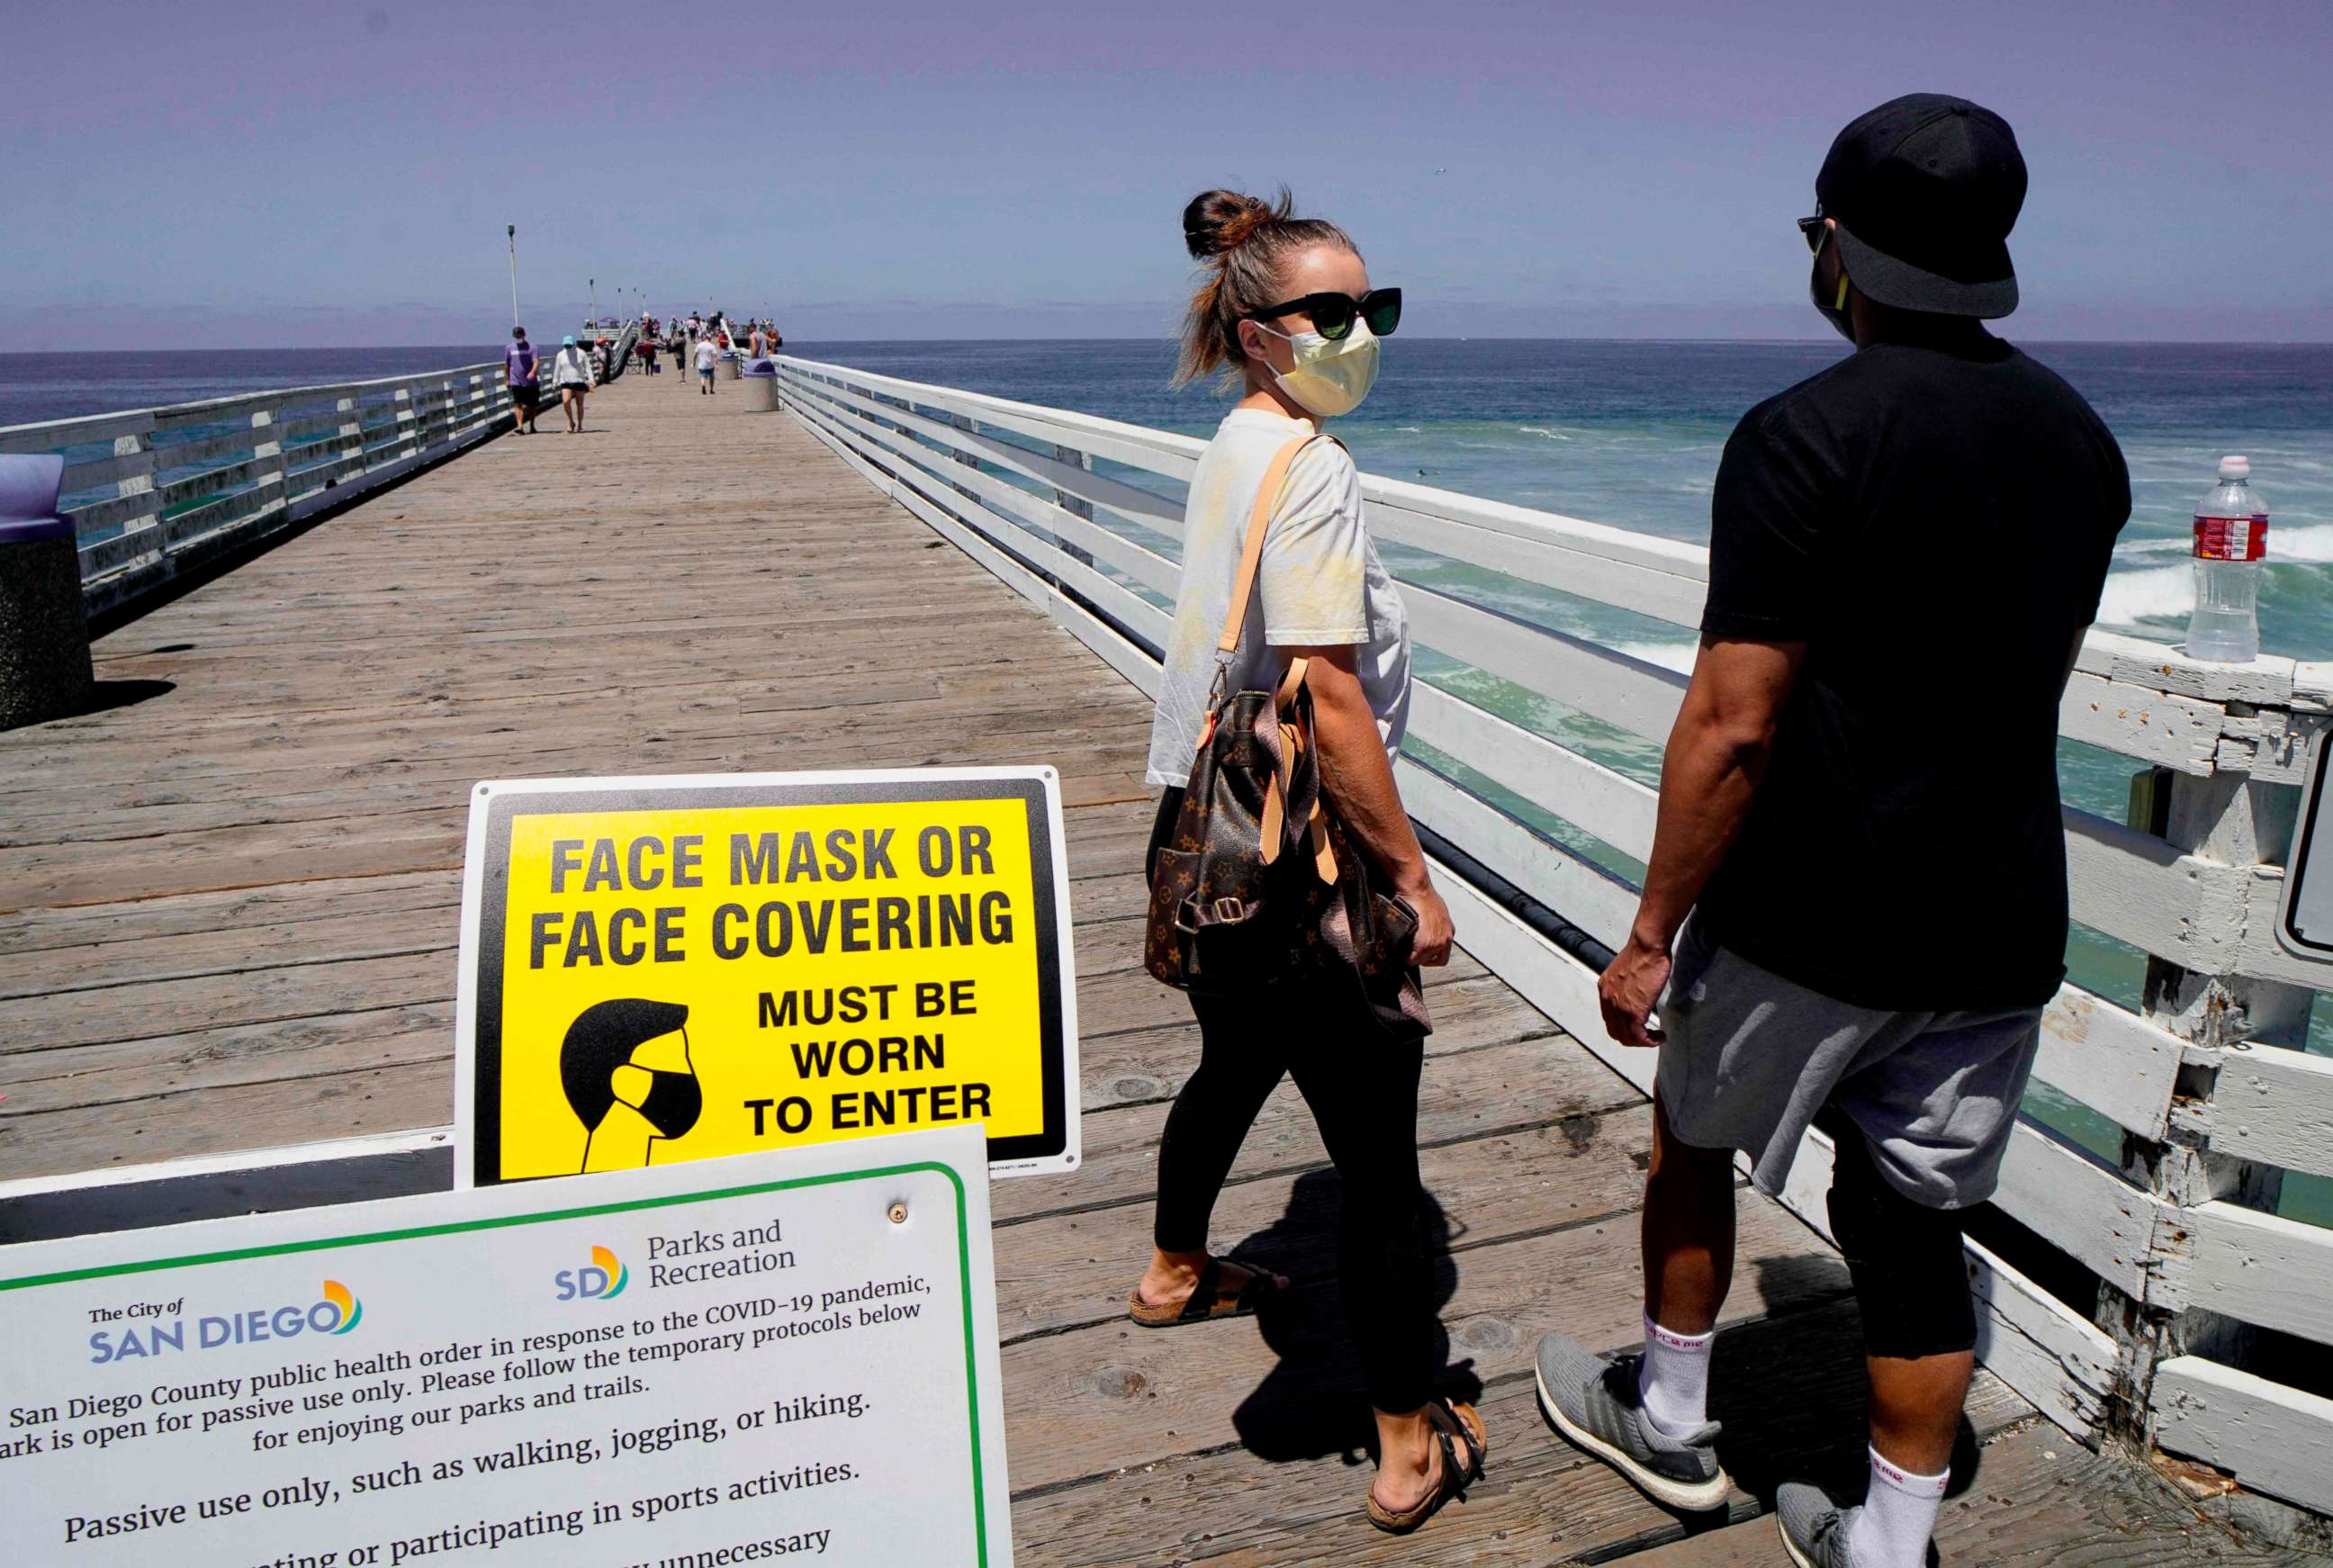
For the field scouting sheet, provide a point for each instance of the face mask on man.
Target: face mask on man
(1328, 379)
(1832, 303)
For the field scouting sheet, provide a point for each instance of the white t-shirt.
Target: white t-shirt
(1319, 583)
(572, 369)
(705, 353)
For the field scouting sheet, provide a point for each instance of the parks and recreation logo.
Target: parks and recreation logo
(603, 1279)
(336, 1311)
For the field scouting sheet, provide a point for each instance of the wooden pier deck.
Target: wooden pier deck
(227, 919)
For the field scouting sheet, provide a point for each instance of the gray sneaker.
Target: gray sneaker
(1592, 1400)
(1814, 1528)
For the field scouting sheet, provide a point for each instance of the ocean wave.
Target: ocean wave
(1542, 430)
(2311, 544)
(2157, 593)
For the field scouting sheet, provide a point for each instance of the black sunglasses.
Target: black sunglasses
(1813, 228)
(1333, 314)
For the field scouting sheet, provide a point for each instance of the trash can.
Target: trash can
(732, 363)
(44, 670)
(761, 387)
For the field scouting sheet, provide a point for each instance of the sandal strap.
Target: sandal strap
(1205, 1292)
(1447, 1425)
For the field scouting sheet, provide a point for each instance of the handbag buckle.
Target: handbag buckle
(1230, 911)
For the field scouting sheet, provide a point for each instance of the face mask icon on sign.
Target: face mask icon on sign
(628, 1079)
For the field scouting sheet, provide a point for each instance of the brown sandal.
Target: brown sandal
(1450, 1420)
(1206, 1302)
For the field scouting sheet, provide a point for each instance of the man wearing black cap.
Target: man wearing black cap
(1879, 909)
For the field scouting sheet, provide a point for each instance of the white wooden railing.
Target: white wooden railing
(2195, 1280)
(156, 491)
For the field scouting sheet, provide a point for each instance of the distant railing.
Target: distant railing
(154, 492)
(2195, 1288)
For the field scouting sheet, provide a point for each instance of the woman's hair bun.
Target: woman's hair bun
(1217, 221)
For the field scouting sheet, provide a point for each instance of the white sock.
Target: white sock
(1673, 1380)
(1898, 1516)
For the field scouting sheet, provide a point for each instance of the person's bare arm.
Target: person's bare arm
(1359, 779)
(1716, 760)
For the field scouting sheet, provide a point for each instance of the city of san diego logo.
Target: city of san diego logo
(336, 1311)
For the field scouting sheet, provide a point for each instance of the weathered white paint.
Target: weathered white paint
(2110, 1060)
(2260, 1268)
(2268, 1104)
(2272, 1438)
(2090, 1213)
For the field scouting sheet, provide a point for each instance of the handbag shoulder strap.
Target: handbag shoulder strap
(1267, 497)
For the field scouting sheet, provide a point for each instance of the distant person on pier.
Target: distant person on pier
(571, 372)
(520, 374)
(706, 356)
(1877, 916)
(1286, 314)
(756, 339)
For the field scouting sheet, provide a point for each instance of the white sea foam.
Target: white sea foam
(2312, 545)
(1542, 430)
(2157, 592)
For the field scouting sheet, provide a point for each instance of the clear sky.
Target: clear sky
(339, 172)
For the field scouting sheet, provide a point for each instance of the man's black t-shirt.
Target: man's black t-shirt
(1935, 524)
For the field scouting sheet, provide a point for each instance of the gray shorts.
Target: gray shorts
(1751, 1058)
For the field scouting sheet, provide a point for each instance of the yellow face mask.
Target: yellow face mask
(1328, 379)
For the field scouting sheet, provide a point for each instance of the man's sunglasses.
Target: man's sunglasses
(1333, 314)
(1813, 229)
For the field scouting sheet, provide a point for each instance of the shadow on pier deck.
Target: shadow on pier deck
(228, 909)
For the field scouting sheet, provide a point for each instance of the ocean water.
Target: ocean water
(1622, 433)
(40, 387)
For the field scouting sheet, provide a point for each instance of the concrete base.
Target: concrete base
(760, 394)
(44, 670)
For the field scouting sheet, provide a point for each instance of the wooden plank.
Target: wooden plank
(1088, 1401)
(2260, 1268)
(2271, 1105)
(1541, 1501)
(2273, 1440)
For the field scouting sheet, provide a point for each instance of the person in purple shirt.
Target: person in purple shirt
(519, 374)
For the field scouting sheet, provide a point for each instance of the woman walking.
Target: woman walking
(1285, 312)
(572, 374)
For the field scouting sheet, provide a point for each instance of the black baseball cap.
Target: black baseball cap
(1925, 189)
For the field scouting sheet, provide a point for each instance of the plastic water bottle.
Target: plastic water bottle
(2230, 548)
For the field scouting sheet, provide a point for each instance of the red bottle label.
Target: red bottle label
(2232, 538)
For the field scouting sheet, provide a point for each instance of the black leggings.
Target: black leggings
(1362, 1089)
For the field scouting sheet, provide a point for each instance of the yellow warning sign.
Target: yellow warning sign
(666, 969)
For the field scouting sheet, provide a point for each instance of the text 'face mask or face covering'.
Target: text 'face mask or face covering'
(1328, 379)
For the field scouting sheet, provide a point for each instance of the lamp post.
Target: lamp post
(512, 230)
(594, 285)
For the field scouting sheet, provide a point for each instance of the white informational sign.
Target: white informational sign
(777, 1357)
(2304, 920)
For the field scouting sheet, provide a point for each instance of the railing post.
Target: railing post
(406, 429)
(1075, 506)
(2235, 821)
(268, 455)
(963, 422)
(139, 482)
